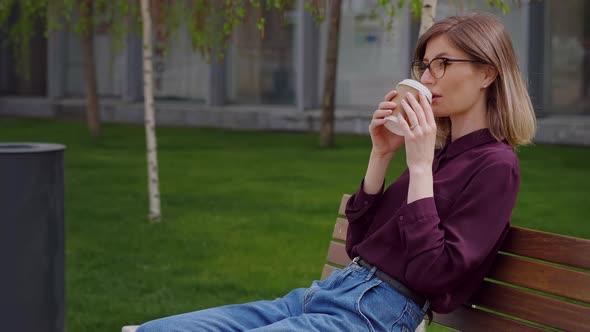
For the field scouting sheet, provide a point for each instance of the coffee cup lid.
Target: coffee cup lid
(418, 86)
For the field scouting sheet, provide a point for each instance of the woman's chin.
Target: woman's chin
(438, 113)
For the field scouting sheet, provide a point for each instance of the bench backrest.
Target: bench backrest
(539, 281)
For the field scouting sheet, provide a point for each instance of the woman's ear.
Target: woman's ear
(490, 74)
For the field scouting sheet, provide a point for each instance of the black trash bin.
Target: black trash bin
(32, 283)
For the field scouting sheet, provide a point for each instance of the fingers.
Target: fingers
(376, 123)
(418, 112)
(427, 110)
(381, 113)
(390, 95)
(412, 118)
(404, 124)
(387, 105)
(385, 109)
(378, 117)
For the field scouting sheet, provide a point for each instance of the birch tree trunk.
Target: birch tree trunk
(150, 120)
(428, 15)
(327, 118)
(87, 43)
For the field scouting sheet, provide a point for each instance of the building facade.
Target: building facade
(284, 70)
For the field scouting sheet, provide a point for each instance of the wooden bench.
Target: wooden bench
(539, 281)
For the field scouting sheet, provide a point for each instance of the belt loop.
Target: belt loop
(371, 273)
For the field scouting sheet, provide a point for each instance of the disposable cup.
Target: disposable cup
(403, 87)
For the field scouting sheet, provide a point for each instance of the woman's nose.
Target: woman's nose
(427, 77)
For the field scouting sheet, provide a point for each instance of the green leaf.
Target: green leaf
(260, 23)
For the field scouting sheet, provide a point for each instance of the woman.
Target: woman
(429, 239)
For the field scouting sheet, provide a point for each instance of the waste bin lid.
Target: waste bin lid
(30, 147)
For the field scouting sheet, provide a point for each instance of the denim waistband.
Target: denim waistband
(369, 271)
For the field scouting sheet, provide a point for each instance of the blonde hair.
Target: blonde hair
(509, 110)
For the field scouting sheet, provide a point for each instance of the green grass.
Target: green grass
(246, 215)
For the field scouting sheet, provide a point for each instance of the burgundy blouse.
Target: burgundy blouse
(441, 246)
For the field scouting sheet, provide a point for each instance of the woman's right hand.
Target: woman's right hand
(385, 143)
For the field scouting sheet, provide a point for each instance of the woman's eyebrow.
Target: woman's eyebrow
(436, 56)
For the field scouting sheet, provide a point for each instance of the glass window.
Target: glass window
(261, 70)
(107, 66)
(569, 59)
(515, 22)
(180, 72)
(371, 60)
(14, 82)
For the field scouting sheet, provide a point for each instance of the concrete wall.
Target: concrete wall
(568, 130)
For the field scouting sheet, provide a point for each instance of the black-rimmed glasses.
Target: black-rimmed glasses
(437, 66)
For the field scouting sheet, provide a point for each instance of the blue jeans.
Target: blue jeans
(351, 299)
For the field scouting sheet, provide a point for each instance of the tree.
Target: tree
(327, 118)
(82, 16)
(87, 42)
(150, 121)
(20, 19)
(19, 22)
(427, 16)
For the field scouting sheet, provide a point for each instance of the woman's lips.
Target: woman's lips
(435, 97)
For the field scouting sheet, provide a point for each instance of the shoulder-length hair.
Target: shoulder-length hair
(509, 110)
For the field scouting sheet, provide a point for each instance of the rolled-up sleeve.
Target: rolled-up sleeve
(360, 211)
(439, 254)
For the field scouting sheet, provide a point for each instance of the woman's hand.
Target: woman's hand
(385, 143)
(420, 133)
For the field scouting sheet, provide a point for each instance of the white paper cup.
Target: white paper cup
(403, 87)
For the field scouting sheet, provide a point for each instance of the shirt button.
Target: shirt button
(401, 218)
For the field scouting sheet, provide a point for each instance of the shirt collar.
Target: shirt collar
(467, 142)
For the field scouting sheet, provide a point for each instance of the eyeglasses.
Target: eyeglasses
(437, 66)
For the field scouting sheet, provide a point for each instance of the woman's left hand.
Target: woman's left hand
(420, 132)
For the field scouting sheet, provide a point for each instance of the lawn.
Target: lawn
(246, 215)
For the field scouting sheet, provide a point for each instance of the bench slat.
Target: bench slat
(469, 319)
(550, 247)
(340, 229)
(327, 271)
(547, 278)
(532, 307)
(342, 209)
(337, 254)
